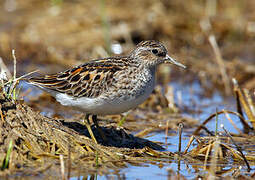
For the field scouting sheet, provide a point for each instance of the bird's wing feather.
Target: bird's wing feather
(87, 80)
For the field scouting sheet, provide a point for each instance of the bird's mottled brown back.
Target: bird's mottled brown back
(88, 80)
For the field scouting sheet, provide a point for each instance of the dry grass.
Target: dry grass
(40, 142)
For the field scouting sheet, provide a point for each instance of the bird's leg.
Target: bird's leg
(87, 124)
(94, 119)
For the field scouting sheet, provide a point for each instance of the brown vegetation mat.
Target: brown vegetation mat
(38, 141)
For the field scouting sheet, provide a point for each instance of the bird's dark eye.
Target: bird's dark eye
(154, 51)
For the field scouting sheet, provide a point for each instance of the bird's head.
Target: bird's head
(153, 53)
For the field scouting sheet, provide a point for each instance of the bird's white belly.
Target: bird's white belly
(103, 105)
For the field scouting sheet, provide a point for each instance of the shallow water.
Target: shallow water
(203, 106)
(208, 106)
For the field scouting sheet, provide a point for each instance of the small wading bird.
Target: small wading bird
(110, 85)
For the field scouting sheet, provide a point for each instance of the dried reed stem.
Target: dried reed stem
(14, 64)
(69, 163)
(62, 166)
(232, 122)
(250, 111)
(239, 149)
(220, 63)
(189, 143)
(241, 102)
(180, 127)
(166, 131)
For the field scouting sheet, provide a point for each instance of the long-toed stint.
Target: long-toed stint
(110, 85)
